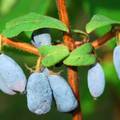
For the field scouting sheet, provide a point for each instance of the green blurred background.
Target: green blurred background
(107, 107)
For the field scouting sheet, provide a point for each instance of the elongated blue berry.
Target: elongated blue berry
(116, 60)
(4, 88)
(12, 77)
(96, 80)
(63, 95)
(41, 37)
(39, 94)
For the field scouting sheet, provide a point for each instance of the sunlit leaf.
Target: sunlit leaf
(53, 54)
(83, 49)
(99, 21)
(81, 56)
(30, 22)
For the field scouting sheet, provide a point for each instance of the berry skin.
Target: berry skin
(46, 71)
(96, 80)
(39, 94)
(63, 95)
(4, 87)
(12, 77)
(41, 39)
(116, 60)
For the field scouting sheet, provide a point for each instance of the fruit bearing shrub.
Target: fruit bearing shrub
(45, 85)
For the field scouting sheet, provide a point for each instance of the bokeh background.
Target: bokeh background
(107, 107)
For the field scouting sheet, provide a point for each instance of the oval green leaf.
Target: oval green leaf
(53, 54)
(99, 21)
(31, 22)
(83, 49)
(80, 60)
(81, 56)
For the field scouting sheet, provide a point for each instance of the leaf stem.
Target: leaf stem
(72, 71)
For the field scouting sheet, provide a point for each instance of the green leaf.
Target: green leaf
(83, 49)
(53, 54)
(80, 60)
(31, 22)
(81, 56)
(77, 31)
(44, 50)
(99, 21)
(20, 9)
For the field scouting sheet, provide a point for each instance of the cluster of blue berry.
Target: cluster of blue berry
(40, 89)
(43, 86)
(96, 79)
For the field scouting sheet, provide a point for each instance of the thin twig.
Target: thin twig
(102, 40)
(22, 46)
(99, 41)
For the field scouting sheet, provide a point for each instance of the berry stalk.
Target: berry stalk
(72, 71)
(38, 64)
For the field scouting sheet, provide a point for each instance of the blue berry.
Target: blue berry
(12, 77)
(96, 80)
(63, 95)
(46, 71)
(116, 60)
(41, 37)
(39, 94)
(4, 87)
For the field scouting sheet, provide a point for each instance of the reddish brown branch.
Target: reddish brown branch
(68, 40)
(72, 71)
(62, 12)
(100, 41)
(31, 49)
(22, 46)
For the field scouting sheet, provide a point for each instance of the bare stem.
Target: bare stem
(22, 46)
(72, 71)
(102, 40)
(99, 41)
(31, 49)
